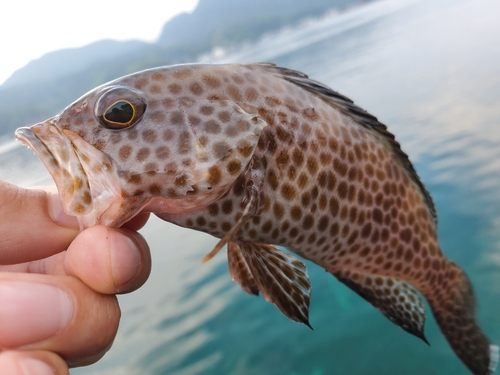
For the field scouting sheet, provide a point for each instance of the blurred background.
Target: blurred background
(429, 70)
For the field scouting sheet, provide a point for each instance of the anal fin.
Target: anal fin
(239, 269)
(398, 300)
(281, 278)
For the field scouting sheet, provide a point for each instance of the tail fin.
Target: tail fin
(453, 305)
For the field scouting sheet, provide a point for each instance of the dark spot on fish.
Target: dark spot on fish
(227, 207)
(323, 223)
(135, 179)
(334, 206)
(296, 213)
(214, 175)
(78, 208)
(124, 152)
(282, 159)
(149, 135)
(312, 165)
(234, 166)
(176, 118)
(155, 89)
(234, 93)
(221, 150)
(288, 191)
(405, 235)
(226, 226)
(303, 179)
(342, 190)
(155, 189)
(251, 94)
(211, 81)
(408, 255)
(194, 120)
(184, 145)
(142, 154)
(213, 209)
(224, 117)
(307, 222)
(297, 157)
(162, 152)
(181, 181)
(168, 135)
(245, 149)
(141, 82)
(272, 179)
(278, 210)
(334, 229)
(206, 110)
(87, 199)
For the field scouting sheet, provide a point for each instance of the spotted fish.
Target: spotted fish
(262, 156)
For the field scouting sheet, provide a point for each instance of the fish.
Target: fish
(265, 158)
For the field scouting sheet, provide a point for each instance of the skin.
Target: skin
(52, 259)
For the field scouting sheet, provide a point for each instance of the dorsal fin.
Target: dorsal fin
(347, 107)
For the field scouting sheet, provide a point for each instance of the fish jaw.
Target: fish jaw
(86, 178)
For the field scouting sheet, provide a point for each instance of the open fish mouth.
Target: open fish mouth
(87, 188)
(57, 154)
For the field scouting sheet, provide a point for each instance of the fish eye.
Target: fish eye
(120, 107)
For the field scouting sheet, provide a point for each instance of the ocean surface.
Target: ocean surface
(430, 70)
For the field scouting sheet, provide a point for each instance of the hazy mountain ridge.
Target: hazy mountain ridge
(46, 85)
(70, 60)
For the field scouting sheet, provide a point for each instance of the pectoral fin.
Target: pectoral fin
(281, 278)
(253, 186)
(396, 299)
(239, 269)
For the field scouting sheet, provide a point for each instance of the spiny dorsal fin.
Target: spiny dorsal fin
(348, 108)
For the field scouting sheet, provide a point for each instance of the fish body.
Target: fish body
(261, 156)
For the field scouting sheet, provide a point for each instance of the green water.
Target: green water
(429, 70)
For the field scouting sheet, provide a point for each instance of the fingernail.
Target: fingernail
(57, 213)
(31, 312)
(125, 259)
(31, 366)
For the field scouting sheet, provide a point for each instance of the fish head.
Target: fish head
(128, 146)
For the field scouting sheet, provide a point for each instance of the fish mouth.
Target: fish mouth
(83, 175)
(57, 154)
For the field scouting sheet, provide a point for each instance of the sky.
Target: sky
(31, 28)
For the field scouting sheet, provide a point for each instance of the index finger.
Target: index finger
(33, 225)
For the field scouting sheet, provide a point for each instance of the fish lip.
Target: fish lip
(45, 140)
(28, 138)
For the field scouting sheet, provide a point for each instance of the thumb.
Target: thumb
(33, 225)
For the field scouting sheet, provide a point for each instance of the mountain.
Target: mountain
(221, 22)
(45, 86)
(67, 61)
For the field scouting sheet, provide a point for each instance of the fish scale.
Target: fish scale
(261, 156)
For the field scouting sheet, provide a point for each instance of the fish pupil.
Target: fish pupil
(121, 112)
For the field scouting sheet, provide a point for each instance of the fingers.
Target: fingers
(34, 225)
(137, 222)
(58, 314)
(109, 260)
(32, 362)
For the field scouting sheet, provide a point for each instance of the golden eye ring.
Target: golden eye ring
(120, 107)
(120, 110)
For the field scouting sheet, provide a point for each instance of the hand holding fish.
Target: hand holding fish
(58, 287)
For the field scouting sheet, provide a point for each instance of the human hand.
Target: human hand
(58, 307)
